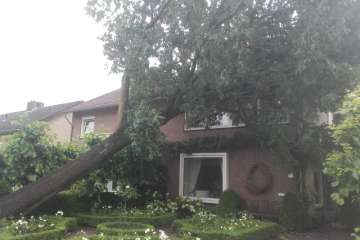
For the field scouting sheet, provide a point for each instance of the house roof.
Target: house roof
(7, 124)
(107, 100)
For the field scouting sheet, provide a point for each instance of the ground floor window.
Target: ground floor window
(203, 176)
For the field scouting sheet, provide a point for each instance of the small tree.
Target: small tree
(343, 164)
(30, 154)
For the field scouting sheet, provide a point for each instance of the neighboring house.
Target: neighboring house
(96, 115)
(57, 116)
(248, 170)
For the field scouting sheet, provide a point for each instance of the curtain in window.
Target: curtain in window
(191, 174)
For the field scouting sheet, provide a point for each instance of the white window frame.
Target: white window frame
(225, 173)
(186, 128)
(83, 119)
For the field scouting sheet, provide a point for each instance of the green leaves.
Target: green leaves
(343, 164)
(30, 154)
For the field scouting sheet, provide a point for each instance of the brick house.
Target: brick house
(58, 117)
(248, 170)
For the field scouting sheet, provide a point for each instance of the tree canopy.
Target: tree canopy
(211, 56)
(254, 60)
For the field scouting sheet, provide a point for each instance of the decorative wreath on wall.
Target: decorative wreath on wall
(252, 185)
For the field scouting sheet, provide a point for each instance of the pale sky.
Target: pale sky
(50, 52)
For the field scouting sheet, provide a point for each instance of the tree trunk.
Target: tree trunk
(34, 194)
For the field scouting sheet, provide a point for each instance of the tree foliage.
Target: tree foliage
(254, 60)
(343, 164)
(31, 153)
(139, 165)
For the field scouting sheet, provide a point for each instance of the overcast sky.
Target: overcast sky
(50, 52)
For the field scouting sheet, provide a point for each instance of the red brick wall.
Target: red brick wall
(240, 162)
(174, 130)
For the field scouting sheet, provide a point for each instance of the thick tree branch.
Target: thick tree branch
(124, 98)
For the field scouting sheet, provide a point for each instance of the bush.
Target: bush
(124, 228)
(227, 228)
(30, 154)
(68, 202)
(230, 204)
(182, 207)
(62, 225)
(93, 219)
(294, 214)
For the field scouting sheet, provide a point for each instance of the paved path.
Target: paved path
(325, 233)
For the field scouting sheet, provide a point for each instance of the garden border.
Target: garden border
(58, 232)
(262, 232)
(92, 220)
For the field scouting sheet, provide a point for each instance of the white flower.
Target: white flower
(59, 213)
(163, 235)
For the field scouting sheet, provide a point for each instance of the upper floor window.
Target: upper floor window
(87, 125)
(222, 120)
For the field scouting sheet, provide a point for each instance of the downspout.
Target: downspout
(71, 125)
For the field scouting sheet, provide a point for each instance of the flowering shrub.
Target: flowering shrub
(181, 206)
(127, 193)
(31, 225)
(205, 225)
(149, 235)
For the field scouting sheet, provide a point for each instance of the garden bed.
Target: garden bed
(56, 230)
(93, 219)
(229, 229)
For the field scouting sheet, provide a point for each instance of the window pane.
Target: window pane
(89, 126)
(203, 177)
(222, 120)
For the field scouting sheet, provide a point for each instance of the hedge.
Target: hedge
(264, 230)
(123, 228)
(92, 220)
(97, 237)
(58, 233)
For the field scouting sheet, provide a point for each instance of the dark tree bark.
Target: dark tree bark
(34, 194)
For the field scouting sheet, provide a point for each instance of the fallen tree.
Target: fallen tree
(256, 61)
(34, 194)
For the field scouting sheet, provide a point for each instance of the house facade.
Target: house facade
(58, 118)
(98, 115)
(249, 170)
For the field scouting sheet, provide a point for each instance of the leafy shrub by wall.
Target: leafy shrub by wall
(294, 214)
(230, 203)
(65, 201)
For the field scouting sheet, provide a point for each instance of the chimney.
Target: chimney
(32, 105)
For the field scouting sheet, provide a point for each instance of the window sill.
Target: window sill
(206, 200)
(212, 128)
